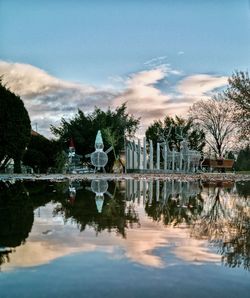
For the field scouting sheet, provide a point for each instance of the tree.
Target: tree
(41, 153)
(243, 160)
(174, 129)
(115, 125)
(15, 128)
(61, 160)
(214, 116)
(115, 215)
(239, 93)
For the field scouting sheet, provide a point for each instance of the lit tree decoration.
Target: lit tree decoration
(99, 187)
(99, 158)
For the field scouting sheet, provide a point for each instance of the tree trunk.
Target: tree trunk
(123, 167)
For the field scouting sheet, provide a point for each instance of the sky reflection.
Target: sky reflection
(146, 242)
(51, 240)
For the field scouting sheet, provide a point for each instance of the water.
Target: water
(125, 239)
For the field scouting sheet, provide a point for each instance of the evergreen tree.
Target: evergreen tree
(41, 153)
(15, 128)
(174, 130)
(243, 160)
(115, 125)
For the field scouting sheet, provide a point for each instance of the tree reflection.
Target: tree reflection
(211, 224)
(4, 256)
(177, 206)
(243, 188)
(16, 217)
(116, 214)
(41, 193)
(174, 211)
(235, 249)
(225, 222)
(220, 214)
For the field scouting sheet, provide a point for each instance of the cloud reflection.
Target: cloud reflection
(52, 238)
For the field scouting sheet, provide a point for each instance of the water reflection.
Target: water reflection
(102, 211)
(178, 202)
(225, 222)
(99, 187)
(16, 218)
(181, 218)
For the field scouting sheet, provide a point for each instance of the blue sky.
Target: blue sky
(105, 44)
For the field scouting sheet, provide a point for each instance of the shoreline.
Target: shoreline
(209, 177)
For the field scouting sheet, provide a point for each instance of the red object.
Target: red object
(71, 144)
(72, 199)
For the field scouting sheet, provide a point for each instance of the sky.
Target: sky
(159, 56)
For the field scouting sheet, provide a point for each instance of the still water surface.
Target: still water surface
(124, 239)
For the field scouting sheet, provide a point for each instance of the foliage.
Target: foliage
(243, 160)
(215, 118)
(83, 128)
(172, 212)
(115, 215)
(16, 214)
(239, 93)
(111, 138)
(60, 161)
(14, 128)
(41, 153)
(243, 188)
(174, 130)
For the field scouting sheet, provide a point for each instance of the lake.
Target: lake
(130, 238)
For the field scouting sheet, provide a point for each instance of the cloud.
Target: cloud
(48, 98)
(144, 98)
(200, 85)
(147, 100)
(193, 88)
(156, 60)
(149, 93)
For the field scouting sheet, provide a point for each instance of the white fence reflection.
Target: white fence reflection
(161, 190)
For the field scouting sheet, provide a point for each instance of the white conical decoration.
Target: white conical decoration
(99, 200)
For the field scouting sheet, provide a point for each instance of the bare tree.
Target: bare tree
(214, 116)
